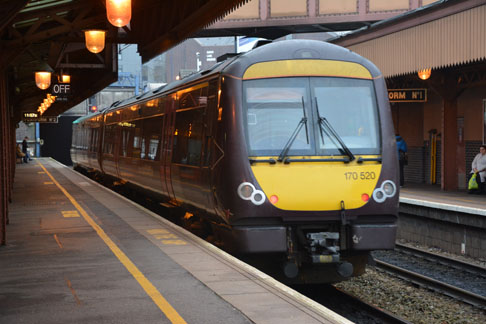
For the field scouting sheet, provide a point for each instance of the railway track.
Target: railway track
(438, 285)
(349, 306)
(454, 263)
(335, 299)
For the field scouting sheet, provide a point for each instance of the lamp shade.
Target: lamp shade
(424, 74)
(119, 12)
(43, 79)
(95, 40)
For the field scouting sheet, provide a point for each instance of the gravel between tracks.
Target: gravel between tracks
(412, 303)
(409, 302)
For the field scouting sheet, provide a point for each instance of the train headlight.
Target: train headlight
(246, 190)
(389, 188)
(379, 195)
(258, 197)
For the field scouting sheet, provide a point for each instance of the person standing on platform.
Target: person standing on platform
(479, 166)
(25, 147)
(402, 157)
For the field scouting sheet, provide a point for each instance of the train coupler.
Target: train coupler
(324, 247)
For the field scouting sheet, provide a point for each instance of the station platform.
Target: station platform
(79, 253)
(432, 196)
(452, 221)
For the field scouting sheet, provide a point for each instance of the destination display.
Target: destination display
(33, 117)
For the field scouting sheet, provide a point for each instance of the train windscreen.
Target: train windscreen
(313, 114)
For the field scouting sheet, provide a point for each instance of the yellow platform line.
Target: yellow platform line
(149, 288)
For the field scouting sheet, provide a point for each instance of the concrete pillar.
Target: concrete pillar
(449, 144)
(4, 179)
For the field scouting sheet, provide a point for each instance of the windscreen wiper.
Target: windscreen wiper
(302, 122)
(325, 126)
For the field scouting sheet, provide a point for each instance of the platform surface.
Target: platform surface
(79, 253)
(432, 196)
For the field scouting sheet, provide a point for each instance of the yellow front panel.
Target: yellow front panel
(306, 68)
(317, 185)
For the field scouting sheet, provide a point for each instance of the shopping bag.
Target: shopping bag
(473, 182)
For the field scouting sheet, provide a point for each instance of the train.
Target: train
(286, 153)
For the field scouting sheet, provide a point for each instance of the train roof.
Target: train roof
(301, 49)
(215, 69)
(236, 65)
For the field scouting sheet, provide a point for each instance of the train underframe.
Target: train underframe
(297, 254)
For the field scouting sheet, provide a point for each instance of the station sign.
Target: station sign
(407, 95)
(61, 90)
(33, 117)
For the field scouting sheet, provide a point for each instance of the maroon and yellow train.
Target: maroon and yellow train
(287, 151)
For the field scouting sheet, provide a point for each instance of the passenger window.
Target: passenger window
(194, 98)
(109, 144)
(137, 139)
(152, 133)
(188, 137)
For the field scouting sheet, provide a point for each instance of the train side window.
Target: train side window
(109, 139)
(195, 98)
(152, 128)
(188, 136)
(94, 140)
(137, 140)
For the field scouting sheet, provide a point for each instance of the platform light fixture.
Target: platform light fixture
(43, 79)
(119, 12)
(424, 74)
(65, 78)
(95, 40)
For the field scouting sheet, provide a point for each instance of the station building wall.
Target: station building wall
(415, 121)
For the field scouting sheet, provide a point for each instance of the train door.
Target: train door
(108, 151)
(188, 174)
(212, 152)
(170, 103)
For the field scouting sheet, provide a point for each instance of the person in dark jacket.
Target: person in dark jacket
(402, 156)
(25, 147)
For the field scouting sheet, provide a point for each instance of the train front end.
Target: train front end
(311, 163)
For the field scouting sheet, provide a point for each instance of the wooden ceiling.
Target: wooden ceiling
(48, 35)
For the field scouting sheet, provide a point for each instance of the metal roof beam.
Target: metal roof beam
(10, 13)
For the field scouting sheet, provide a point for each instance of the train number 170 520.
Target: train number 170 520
(360, 175)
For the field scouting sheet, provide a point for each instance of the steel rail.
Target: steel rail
(457, 264)
(348, 305)
(435, 285)
(378, 313)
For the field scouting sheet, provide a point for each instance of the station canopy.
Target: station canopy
(48, 35)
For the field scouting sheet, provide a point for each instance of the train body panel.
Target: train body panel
(288, 149)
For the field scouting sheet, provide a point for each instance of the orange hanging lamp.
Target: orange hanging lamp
(43, 79)
(65, 78)
(119, 12)
(424, 74)
(95, 40)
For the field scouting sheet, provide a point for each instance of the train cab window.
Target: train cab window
(188, 137)
(274, 111)
(349, 105)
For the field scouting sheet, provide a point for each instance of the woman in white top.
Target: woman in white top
(479, 165)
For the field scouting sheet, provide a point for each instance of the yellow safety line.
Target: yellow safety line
(149, 288)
